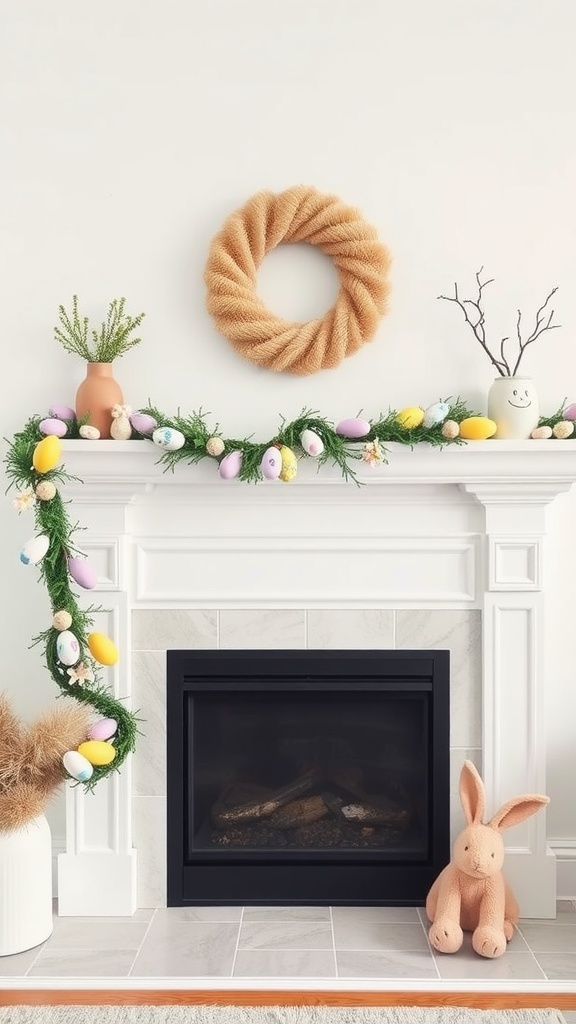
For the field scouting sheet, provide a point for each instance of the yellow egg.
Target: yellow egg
(47, 454)
(102, 648)
(97, 752)
(289, 464)
(410, 417)
(477, 428)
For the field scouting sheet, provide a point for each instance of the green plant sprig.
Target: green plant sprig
(110, 342)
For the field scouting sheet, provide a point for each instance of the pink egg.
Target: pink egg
(54, 426)
(271, 464)
(82, 572)
(62, 412)
(353, 428)
(570, 412)
(103, 729)
(231, 465)
(143, 423)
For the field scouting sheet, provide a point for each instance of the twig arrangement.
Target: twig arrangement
(475, 317)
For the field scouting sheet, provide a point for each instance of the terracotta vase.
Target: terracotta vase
(26, 874)
(98, 392)
(513, 405)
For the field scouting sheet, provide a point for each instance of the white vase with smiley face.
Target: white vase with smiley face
(513, 405)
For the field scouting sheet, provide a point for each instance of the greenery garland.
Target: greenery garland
(52, 520)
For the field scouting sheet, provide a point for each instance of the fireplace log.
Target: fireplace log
(367, 814)
(299, 812)
(224, 815)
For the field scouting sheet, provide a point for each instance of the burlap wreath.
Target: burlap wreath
(300, 214)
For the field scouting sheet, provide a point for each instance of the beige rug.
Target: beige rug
(270, 1015)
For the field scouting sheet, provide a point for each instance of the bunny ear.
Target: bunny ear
(518, 810)
(471, 793)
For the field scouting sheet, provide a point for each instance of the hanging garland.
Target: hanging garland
(71, 650)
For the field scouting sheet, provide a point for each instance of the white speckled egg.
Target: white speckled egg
(51, 425)
(103, 729)
(353, 428)
(143, 423)
(168, 438)
(88, 432)
(35, 549)
(541, 433)
(271, 464)
(231, 465)
(311, 443)
(67, 648)
(436, 413)
(77, 766)
(62, 412)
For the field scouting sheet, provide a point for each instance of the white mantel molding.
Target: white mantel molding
(459, 527)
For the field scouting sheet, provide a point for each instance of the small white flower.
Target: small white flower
(24, 499)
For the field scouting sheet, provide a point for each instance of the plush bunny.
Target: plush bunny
(471, 893)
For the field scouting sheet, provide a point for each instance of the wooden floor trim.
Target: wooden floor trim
(279, 997)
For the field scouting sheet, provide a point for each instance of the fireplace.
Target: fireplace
(306, 777)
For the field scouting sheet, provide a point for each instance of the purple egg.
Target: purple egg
(82, 572)
(103, 729)
(353, 428)
(62, 412)
(271, 464)
(570, 412)
(143, 423)
(231, 465)
(54, 426)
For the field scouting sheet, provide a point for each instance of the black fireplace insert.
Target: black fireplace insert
(306, 777)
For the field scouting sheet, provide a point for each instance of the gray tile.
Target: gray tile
(75, 933)
(467, 965)
(191, 914)
(175, 949)
(366, 963)
(149, 696)
(558, 966)
(262, 630)
(17, 965)
(550, 938)
(346, 916)
(180, 629)
(285, 935)
(83, 963)
(149, 822)
(354, 628)
(284, 963)
(138, 917)
(286, 914)
(378, 936)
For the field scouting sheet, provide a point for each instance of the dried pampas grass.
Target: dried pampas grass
(31, 768)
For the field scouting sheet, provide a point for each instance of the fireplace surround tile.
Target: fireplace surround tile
(149, 697)
(362, 628)
(186, 629)
(262, 629)
(149, 821)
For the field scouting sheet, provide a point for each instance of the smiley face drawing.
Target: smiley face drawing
(520, 399)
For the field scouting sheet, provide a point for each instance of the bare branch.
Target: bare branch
(477, 323)
(504, 360)
(539, 329)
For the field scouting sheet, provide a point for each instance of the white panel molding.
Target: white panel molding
(565, 853)
(104, 554)
(515, 563)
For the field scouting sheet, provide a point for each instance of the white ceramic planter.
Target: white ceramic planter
(25, 886)
(513, 405)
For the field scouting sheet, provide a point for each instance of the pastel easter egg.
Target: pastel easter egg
(168, 438)
(289, 464)
(231, 465)
(570, 412)
(77, 766)
(563, 429)
(477, 428)
(541, 433)
(450, 430)
(103, 729)
(311, 443)
(53, 426)
(47, 454)
(97, 752)
(82, 572)
(436, 414)
(271, 464)
(62, 412)
(88, 432)
(143, 423)
(67, 648)
(35, 549)
(102, 648)
(353, 428)
(410, 417)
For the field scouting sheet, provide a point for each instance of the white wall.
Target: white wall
(130, 130)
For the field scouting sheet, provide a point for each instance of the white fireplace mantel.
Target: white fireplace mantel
(459, 527)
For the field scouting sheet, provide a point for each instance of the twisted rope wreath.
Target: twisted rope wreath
(300, 214)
